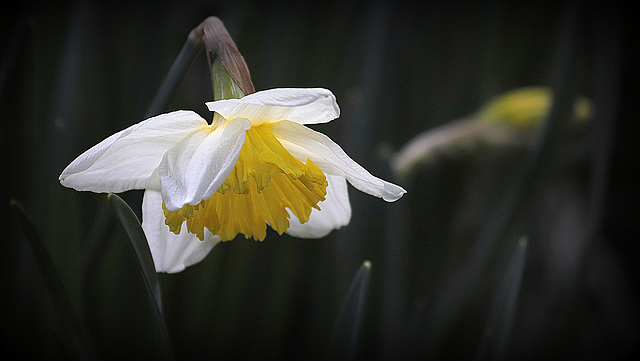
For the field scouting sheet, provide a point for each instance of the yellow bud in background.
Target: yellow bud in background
(506, 120)
(524, 108)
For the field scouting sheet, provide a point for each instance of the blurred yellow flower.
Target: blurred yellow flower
(507, 119)
(525, 107)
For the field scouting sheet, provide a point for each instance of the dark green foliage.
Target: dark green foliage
(451, 280)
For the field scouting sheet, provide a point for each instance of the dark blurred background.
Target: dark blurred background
(74, 73)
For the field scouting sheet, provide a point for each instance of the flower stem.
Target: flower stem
(180, 66)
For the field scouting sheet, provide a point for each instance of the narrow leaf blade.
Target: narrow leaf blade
(345, 337)
(133, 228)
(495, 342)
(77, 337)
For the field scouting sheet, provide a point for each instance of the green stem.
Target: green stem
(179, 68)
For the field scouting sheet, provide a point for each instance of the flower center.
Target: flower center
(265, 181)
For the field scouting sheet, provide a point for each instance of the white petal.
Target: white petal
(300, 105)
(126, 159)
(171, 253)
(196, 167)
(335, 212)
(305, 143)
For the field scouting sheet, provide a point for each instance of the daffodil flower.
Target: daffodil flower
(256, 164)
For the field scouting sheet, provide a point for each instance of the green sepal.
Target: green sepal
(224, 87)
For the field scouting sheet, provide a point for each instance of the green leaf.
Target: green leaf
(76, 335)
(498, 330)
(132, 227)
(344, 342)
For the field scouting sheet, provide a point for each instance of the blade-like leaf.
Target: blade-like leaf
(133, 228)
(345, 336)
(77, 337)
(503, 309)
